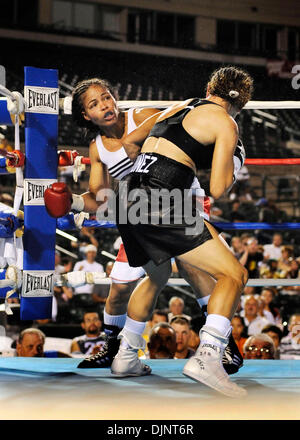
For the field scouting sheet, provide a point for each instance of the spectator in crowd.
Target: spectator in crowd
(31, 343)
(271, 270)
(238, 332)
(273, 251)
(59, 268)
(176, 307)
(249, 290)
(287, 254)
(162, 342)
(67, 263)
(108, 268)
(252, 257)
(156, 317)
(293, 273)
(275, 334)
(181, 326)
(245, 237)
(62, 294)
(195, 325)
(86, 236)
(93, 339)
(254, 322)
(259, 346)
(290, 344)
(237, 247)
(294, 269)
(88, 265)
(7, 199)
(268, 309)
(101, 291)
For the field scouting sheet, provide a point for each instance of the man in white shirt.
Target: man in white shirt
(88, 265)
(253, 321)
(273, 251)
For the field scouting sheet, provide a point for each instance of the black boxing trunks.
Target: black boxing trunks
(166, 230)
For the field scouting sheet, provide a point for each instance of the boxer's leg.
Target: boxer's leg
(203, 285)
(140, 308)
(215, 259)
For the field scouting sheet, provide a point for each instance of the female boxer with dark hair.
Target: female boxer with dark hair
(94, 108)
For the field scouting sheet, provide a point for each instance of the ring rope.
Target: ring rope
(293, 161)
(71, 279)
(66, 104)
(252, 282)
(64, 224)
(263, 162)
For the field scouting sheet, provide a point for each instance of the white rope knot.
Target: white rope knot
(16, 105)
(14, 277)
(79, 219)
(233, 94)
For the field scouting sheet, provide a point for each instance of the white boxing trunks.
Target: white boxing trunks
(122, 272)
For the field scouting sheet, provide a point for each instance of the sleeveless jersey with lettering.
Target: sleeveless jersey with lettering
(87, 344)
(117, 162)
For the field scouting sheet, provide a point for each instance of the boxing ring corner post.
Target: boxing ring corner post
(41, 131)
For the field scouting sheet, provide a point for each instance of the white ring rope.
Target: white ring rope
(252, 282)
(80, 278)
(250, 105)
(5, 92)
(66, 104)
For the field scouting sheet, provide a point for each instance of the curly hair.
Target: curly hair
(77, 104)
(232, 84)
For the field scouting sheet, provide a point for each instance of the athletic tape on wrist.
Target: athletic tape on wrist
(78, 203)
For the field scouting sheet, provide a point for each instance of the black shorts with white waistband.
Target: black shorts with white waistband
(156, 240)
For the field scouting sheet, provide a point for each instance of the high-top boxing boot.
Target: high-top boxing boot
(126, 362)
(206, 365)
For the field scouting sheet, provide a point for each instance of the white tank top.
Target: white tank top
(117, 162)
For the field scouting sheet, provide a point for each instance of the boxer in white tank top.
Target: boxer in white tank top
(117, 162)
(94, 107)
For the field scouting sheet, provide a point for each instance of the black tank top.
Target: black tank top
(172, 130)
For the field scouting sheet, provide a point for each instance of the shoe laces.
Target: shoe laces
(100, 355)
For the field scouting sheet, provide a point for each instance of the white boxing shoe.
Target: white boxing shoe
(126, 362)
(206, 366)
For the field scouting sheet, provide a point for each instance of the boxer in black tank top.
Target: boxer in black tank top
(171, 129)
(181, 142)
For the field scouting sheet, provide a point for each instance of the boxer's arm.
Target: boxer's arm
(221, 178)
(99, 179)
(134, 140)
